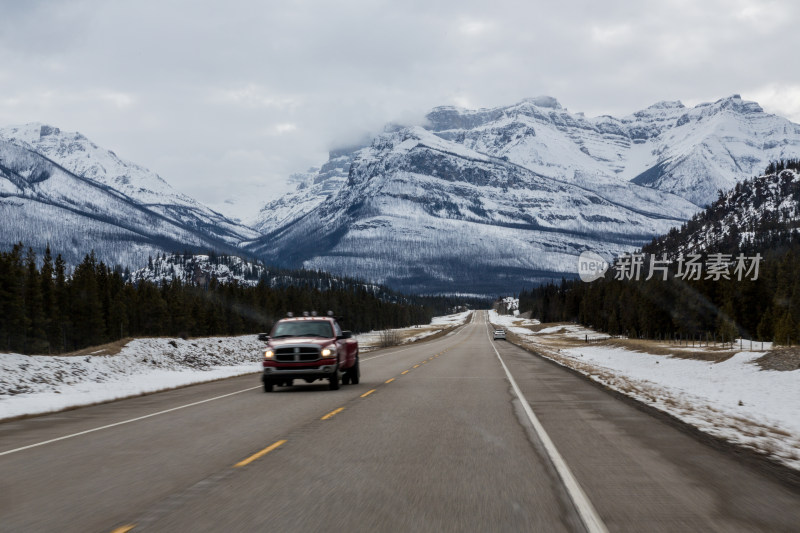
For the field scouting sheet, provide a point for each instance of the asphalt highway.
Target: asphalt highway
(460, 433)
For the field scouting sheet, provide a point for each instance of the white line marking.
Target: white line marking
(591, 520)
(125, 421)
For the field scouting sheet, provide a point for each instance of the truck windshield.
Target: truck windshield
(319, 328)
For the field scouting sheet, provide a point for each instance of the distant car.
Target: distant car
(499, 334)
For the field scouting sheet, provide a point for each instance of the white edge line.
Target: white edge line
(124, 422)
(591, 520)
(8, 452)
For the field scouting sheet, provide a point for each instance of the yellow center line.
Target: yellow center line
(332, 413)
(367, 393)
(123, 529)
(424, 362)
(260, 454)
(389, 380)
(404, 372)
(416, 366)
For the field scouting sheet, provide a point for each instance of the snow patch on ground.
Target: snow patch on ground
(43, 383)
(733, 399)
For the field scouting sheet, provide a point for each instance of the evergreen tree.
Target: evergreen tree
(62, 326)
(14, 318)
(86, 308)
(49, 306)
(35, 336)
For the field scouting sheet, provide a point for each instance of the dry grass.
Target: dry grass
(388, 337)
(557, 340)
(539, 327)
(783, 359)
(707, 353)
(111, 348)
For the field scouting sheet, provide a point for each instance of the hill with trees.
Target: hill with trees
(45, 308)
(747, 246)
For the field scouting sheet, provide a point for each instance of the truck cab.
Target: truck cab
(309, 348)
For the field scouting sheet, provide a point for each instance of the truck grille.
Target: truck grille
(296, 354)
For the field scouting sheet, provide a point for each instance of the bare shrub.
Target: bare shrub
(389, 337)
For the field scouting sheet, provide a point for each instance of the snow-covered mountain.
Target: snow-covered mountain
(691, 152)
(483, 200)
(82, 157)
(426, 214)
(60, 189)
(312, 188)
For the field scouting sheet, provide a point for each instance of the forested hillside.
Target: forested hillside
(758, 218)
(45, 310)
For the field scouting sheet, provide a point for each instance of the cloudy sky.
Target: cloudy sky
(226, 99)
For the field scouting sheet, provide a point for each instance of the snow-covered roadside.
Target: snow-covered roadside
(39, 384)
(733, 399)
(372, 340)
(43, 383)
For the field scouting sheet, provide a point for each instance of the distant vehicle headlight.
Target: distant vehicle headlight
(268, 354)
(327, 352)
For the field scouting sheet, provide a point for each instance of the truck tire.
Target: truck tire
(354, 373)
(268, 386)
(334, 381)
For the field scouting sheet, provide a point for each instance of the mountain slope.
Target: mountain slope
(425, 214)
(42, 203)
(759, 215)
(313, 187)
(81, 157)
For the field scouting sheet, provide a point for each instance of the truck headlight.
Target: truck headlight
(327, 352)
(268, 354)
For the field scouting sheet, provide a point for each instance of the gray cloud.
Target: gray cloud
(225, 101)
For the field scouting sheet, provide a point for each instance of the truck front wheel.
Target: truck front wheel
(268, 385)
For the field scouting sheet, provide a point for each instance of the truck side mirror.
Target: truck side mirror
(263, 337)
(345, 335)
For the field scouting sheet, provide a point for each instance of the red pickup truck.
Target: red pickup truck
(309, 348)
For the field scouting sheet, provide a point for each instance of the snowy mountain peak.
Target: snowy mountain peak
(79, 155)
(666, 104)
(46, 130)
(542, 101)
(733, 103)
(449, 117)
